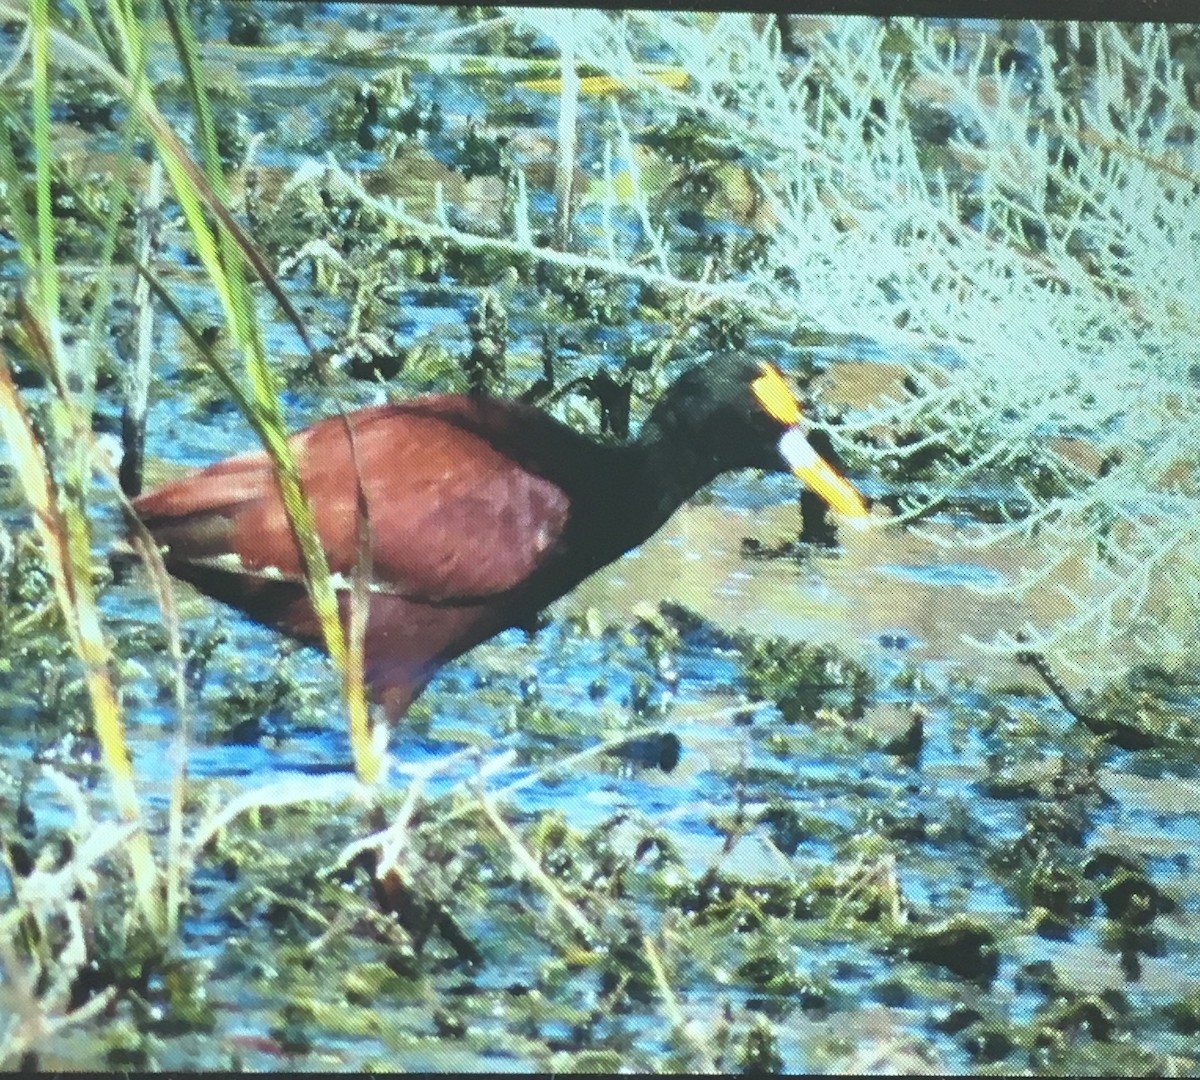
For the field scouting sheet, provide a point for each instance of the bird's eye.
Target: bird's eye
(775, 395)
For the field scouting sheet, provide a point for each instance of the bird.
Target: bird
(479, 511)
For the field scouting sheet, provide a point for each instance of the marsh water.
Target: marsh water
(937, 878)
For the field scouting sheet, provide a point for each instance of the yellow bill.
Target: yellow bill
(819, 475)
(776, 397)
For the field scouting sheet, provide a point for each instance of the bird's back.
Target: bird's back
(459, 521)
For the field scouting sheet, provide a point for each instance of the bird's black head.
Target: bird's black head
(739, 413)
(713, 409)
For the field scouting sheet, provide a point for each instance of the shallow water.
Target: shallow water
(931, 829)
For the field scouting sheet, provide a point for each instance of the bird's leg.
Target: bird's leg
(531, 623)
(393, 703)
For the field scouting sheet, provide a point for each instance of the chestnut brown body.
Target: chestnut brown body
(480, 513)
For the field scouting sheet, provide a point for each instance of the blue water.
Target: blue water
(834, 777)
(945, 574)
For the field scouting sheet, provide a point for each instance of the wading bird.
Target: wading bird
(480, 512)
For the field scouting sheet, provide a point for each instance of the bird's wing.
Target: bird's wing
(452, 518)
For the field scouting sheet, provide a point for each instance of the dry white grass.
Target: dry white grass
(1062, 305)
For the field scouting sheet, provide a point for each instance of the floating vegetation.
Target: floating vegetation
(809, 684)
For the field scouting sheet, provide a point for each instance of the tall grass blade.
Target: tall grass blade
(46, 267)
(63, 531)
(62, 524)
(568, 122)
(131, 128)
(164, 594)
(137, 379)
(23, 226)
(268, 413)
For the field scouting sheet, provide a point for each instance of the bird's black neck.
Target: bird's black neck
(673, 469)
(621, 494)
(653, 476)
